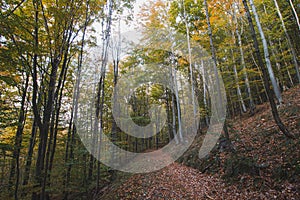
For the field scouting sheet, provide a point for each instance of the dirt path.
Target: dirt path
(255, 136)
(173, 182)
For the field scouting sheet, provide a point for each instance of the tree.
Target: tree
(214, 58)
(242, 57)
(266, 54)
(289, 41)
(295, 13)
(15, 164)
(265, 75)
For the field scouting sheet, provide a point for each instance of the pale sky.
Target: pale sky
(125, 27)
(129, 32)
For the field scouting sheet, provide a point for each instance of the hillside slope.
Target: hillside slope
(262, 164)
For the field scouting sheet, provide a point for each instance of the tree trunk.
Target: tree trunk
(205, 93)
(116, 51)
(168, 114)
(15, 169)
(213, 52)
(175, 100)
(30, 153)
(174, 120)
(295, 14)
(239, 93)
(72, 127)
(190, 60)
(293, 52)
(265, 76)
(286, 64)
(178, 108)
(240, 45)
(101, 86)
(55, 120)
(266, 54)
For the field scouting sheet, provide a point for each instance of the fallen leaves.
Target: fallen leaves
(178, 182)
(256, 138)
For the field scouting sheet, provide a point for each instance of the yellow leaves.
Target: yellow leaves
(9, 77)
(154, 14)
(7, 135)
(3, 47)
(182, 61)
(4, 73)
(218, 11)
(196, 37)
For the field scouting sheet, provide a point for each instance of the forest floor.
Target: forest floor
(262, 164)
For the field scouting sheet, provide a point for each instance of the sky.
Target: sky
(136, 10)
(131, 31)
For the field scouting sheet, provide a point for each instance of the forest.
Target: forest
(149, 99)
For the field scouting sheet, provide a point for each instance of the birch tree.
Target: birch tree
(292, 50)
(266, 54)
(69, 154)
(274, 110)
(242, 58)
(295, 13)
(214, 58)
(189, 57)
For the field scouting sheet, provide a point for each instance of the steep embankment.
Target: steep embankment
(263, 164)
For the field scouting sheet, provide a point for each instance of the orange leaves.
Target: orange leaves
(153, 14)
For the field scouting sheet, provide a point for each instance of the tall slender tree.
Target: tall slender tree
(275, 114)
(292, 50)
(266, 54)
(295, 13)
(215, 65)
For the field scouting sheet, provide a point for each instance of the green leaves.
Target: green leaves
(194, 16)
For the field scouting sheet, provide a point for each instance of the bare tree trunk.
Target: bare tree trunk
(34, 74)
(213, 52)
(173, 80)
(266, 54)
(240, 45)
(69, 155)
(286, 64)
(239, 93)
(178, 108)
(157, 127)
(30, 153)
(190, 60)
(295, 14)
(265, 76)
(54, 122)
(72, 127)
(168, 113)
(34, 131)
(174, 120)
(289, 40)
(205, 93)
(280, 79)
(101, 86)
(116, 52)
(15, 169)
